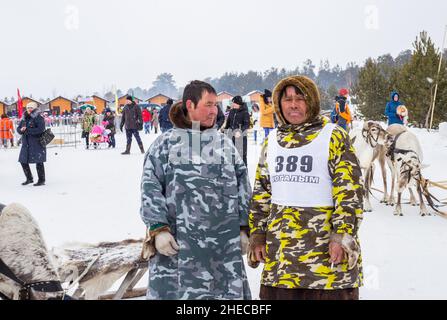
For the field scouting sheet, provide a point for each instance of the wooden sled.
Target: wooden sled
(93, 269)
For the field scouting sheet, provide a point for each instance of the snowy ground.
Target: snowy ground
(93, 196)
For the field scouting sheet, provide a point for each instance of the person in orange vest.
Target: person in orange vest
(341, 114)
(6, 130)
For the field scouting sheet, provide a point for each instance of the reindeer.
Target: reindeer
(404, 157)
(26, 269)
(369, 143)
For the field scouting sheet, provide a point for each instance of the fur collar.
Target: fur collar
(34, 114)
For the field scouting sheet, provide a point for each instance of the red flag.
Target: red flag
(19, 104)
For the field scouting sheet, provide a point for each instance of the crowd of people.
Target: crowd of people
(237, 120)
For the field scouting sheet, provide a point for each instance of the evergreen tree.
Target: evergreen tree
(164, 84)
(371, 91)
(416, 91)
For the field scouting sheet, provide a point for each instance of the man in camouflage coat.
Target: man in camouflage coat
(195, 198)
(307, 203)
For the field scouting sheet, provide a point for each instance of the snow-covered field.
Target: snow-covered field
(93, 196)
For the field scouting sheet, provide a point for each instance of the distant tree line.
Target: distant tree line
(413, 73)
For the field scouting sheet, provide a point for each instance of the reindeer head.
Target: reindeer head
(374, 134)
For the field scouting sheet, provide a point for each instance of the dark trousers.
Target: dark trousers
(135, 133)
(86, 135)
(271, 293)
(40, 171)
(112, 142)
(241, 147)
(5, 142)
(342, 123)
(147, 127)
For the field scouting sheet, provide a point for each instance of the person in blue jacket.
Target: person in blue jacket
(391, 109)
(163, 118)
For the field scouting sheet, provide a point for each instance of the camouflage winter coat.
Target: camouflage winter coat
(297, 238)
(203, 203)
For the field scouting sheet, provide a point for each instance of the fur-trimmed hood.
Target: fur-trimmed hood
(310, 91)
(178, 117)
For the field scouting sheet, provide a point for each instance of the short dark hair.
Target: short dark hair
(194, 90)
(4, 116)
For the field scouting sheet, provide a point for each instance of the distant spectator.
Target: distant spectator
(109, 120)
(267, 120)
(133, 121)
(31, 127)
(155, 120)
(147, 120)
(88, 122)
(391, 110)
(165, 122)
(6, 131)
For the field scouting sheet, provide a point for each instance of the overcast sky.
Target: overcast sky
(81, 46)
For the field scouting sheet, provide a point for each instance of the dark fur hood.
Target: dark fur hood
(178, 117)
(310, 91)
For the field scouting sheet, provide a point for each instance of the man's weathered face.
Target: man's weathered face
(294, 106)
(205, 111)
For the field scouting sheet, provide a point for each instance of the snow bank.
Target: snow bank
(443, 129)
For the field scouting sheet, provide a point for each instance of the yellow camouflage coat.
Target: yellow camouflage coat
(297, 239)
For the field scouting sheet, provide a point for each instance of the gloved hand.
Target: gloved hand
(165, 244)
(244, 242)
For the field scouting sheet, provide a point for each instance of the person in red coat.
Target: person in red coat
(147, 120)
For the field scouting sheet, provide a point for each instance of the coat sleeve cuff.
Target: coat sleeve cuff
(349, 245)
(158, 228)
(149, 250)
(257, 239)
(245, 229)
